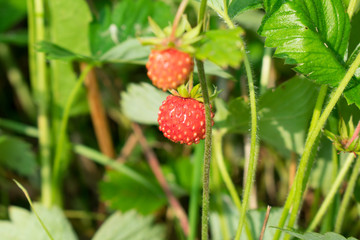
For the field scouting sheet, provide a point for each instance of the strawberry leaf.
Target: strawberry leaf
(311, 34)
(222, 47)
(238, 6)
(317, 236)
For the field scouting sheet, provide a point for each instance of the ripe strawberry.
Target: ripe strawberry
(182, 119)
(169, 68)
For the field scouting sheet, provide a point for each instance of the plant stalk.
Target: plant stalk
(299, 183)
(347, 196)
(334, 188)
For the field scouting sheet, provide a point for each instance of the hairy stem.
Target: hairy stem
(177, 18)
(298, 186)
(334, 188)
(347, 196)
(315, 117)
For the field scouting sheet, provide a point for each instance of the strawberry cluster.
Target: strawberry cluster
(181, 116)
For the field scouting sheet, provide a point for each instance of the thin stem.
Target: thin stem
(347, 196)
(351, 8)
(177, 18)
(57, 169)
(253, 158)
(265, 222)
(19, 127)
(31, 44)
(315, 117)
(330, 197)
(156, 169)
(109, 162)
(297, 188)
(312, 138)
(207, 152)
(195, 190)
(37, 34)
(217, 148)
(98, 116)
(265, 70)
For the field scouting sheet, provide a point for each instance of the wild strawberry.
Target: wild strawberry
(169, 68)
(182, 119)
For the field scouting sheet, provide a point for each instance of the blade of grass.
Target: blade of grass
(33, 209)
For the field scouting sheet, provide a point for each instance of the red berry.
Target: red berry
(169, 68)
(182, 119)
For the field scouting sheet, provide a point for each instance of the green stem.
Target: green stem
(253, 147)
(57, 169)
(217, 148)
(334, 188)
(19, 127)
(304, 167)
(207, 152)
(195, 190)
(40, 84)
(31, 45)
(312, 138)
(108, 162)
(351, 8)
(315, 117)
(208, 125)
(347, 196)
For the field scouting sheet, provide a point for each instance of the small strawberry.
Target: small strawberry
(182, 119)
(169, 68)
(170, 61)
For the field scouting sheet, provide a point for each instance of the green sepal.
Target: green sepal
(150, 41)
(183, 91)
(156, 29)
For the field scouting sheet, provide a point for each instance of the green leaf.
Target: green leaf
(17, 155)
(54, 51)
(123, 193)
(11, 12)
(129, 51)
(24, 224)
(222, 47)
(141, 103)
(238, 6)
(316, 236)
(284, 115)
(311, 34)
(19, 37)
(130, 226)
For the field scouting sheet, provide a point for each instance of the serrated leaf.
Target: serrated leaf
(130, 226)
(141, 103)
(17, 155)
(123, 193)
(238, 6)
(316, 236)
(24, 224)
(311, 34)
(222, 47)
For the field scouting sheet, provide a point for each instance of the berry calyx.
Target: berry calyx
(169, 68)
(182, 119)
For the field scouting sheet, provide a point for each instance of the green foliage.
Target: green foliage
(17, 155)
(141, 103)
(11, 12)
(317, 236)
(230, 215)
(314, 36)
(283, 115)
(223, 47)
(127, 19)
(238, 6)
(123, 193)
(129, 226)
(24, 224)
